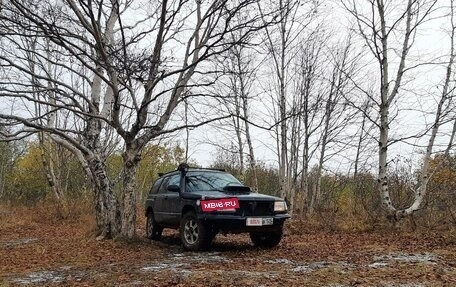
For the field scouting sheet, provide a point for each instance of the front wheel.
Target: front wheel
(266, 239)
(193, 233)
(153, 230)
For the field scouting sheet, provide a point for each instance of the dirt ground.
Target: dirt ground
(48, 252)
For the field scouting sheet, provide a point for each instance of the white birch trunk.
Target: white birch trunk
(131, 158)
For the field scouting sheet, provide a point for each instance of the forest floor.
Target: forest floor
(39, 251)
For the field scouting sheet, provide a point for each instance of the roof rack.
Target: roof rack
(160, 174)
(209, 168)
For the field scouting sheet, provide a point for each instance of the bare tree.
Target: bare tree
(117, 75)
(439, 119)
(305, 118)
(319, 112)
(337, 114)
(377, 29)
(280, 44)
(365, 128)
(241, 65)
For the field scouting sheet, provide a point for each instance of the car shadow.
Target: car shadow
(221, 243)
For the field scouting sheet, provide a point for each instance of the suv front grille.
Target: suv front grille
(255, 208)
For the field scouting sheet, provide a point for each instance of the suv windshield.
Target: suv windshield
(209, 181)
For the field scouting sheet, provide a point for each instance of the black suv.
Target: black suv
(203, 202)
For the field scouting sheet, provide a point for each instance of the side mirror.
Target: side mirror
(173, 188)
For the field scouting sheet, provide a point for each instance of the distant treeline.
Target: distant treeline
(350, 202)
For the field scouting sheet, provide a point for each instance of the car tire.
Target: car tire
(193, 233)
(266, 239)
(153, 230)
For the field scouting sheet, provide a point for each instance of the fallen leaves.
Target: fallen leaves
(62, 253)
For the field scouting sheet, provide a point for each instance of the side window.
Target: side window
(164, 185)
(156, 186)
(174, 180)
(167, 181)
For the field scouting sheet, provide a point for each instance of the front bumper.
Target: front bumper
(236, 223)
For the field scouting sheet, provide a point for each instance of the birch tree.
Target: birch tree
(306, 106)
(240, 64)
(337, 116)
(280, 42)
(440, 118)
(379, 32)
(118, 75)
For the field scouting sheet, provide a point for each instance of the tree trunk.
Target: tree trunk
(293, 165)
(106, 205)
(305, 160)
(382, 156)
(424, 173)
(358, 147)
(283, 149)
(53, 181)
(245, 110)
(237, 128)
(131, 159)
(305, 176)
(252, 160)
(316, 192)
(316, 195)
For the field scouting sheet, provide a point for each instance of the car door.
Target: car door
(152, 197)
(167, 202)
(174, 202)
(159, 205)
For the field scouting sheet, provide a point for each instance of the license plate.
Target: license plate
(259, 221)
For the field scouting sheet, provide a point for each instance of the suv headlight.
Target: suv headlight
(280, 206)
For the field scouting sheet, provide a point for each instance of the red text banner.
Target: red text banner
(220, 204)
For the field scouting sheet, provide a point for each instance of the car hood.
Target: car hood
(219, 194)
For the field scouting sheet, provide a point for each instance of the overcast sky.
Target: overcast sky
(415, 106)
